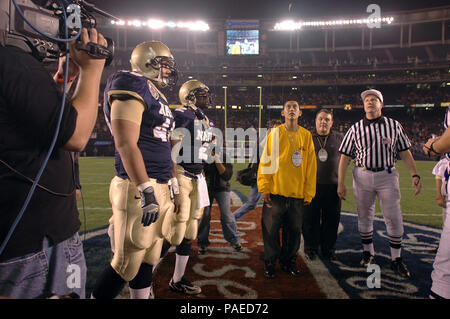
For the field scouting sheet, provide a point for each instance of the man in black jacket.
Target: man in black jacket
(44, 253)
(321, 219)
(218, 175)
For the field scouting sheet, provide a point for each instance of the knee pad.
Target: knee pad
(109, 284)
(184, 248)
(153, 254)
(143, 278)
(192, 224)
(172, 231)
(191, 229)
(175, 224)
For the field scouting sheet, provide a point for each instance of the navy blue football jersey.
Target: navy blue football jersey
(156, 126)
(198, 125)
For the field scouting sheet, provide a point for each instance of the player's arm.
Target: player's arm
(175, 143)
(342, 170)
(410, 164)
(438, 145)
(439, 198)
(126, 117)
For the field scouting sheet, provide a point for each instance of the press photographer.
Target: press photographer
(38, 214)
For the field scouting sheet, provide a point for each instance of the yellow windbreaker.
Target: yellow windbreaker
(281, 172)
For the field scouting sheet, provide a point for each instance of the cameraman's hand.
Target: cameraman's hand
(150, 206)
(74, 69)
(81, 57)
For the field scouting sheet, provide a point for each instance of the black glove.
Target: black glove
(150, 207)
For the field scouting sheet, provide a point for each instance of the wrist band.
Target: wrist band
(415, 175)
(175, 186)
(438, 198)
(432, 148)
(143, 186)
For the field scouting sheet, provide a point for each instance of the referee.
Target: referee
(373, 143)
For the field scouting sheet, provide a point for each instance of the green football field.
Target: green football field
(96, 174)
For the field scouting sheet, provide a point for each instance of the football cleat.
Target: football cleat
(184, 286)
(399, 267)
(367, 259)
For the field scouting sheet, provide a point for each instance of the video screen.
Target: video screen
(242, 42)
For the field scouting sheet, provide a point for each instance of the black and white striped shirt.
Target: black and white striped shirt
(374, 144)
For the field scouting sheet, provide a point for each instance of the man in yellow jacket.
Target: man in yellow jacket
(287, 182)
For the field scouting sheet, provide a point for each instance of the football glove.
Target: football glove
(150, 206)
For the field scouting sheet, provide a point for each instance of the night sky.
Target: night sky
(253, 9)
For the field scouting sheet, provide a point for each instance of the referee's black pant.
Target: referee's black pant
(286, 213)
(321, 220)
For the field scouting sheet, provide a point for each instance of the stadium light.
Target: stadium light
(290, 25)
(157, 24)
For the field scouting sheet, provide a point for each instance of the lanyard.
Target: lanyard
(325, 142)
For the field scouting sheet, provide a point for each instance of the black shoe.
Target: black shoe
(311, 254)
(367, 259)
(291, 269)
(400, 268)
(184, 286)
(202, 250)
(269, 270)
(331, 256)
(237, 247)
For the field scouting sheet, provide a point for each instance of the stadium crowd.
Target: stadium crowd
(416, 121)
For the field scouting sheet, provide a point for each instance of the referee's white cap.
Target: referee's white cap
(373, 92)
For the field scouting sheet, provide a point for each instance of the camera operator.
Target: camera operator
(44, 254)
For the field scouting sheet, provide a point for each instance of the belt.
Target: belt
(378, 169)
(187, 174)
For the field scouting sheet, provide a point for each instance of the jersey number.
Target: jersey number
(163, 131)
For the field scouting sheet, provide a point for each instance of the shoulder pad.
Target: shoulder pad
(127, 81)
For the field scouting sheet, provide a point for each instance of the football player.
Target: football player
(140, 121)
(192, 135)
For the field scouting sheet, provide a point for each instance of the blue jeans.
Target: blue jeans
(59, 269)
(227, 220)
(250, 204)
